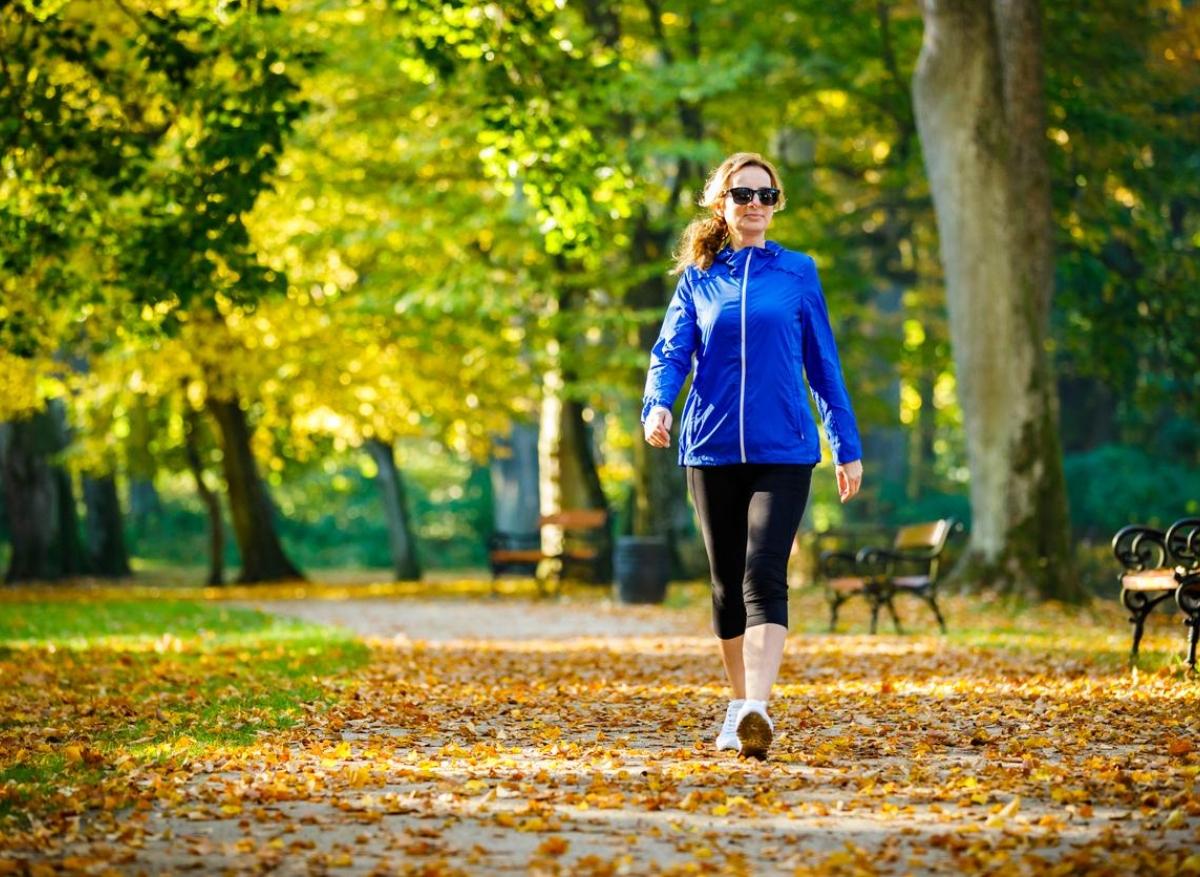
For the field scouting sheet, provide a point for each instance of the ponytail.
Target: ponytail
(701, 241)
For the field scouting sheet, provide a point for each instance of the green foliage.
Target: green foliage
(1125, 121)
(1115, 485)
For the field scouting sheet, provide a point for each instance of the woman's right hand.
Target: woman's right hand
(657, 427)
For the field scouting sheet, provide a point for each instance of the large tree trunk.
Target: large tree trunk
(39, 499)
(981, 116)
(212, 502)
(262, 554)
(105, 531)
(395, 504)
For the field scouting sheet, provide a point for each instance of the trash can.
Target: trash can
(642, 565)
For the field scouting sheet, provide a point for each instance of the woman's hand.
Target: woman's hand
(658, 427)
(849, 479)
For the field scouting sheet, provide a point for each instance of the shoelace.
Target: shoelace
(730, 725)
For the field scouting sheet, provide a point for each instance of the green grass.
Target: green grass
(142, 681)
(86, 624)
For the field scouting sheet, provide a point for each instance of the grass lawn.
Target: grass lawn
(97, 689)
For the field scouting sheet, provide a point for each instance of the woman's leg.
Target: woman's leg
(779, 494)
(721, 498)
(763, 653)
(735, 665)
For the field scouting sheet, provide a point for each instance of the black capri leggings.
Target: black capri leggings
(749, 513)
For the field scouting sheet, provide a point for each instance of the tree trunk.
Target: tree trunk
(395, 504)
(38, 494)
(514, 471)
(660, 506)
(212, 503)
(262, 554)
(567, 467)
(921, 451)
(884, 446)
(144, 501)
(105, 531)
(981, 116)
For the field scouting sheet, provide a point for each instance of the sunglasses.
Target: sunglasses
(744, 195)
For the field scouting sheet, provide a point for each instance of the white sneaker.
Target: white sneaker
(728, 738)
(755, 730)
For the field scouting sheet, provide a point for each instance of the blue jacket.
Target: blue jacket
(751, 320)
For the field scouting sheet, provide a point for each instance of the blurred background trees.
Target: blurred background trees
(340, 278)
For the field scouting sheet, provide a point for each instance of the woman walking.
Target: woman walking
(752, 314)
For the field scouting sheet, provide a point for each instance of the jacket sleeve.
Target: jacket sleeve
(823, 368)
(671, 356)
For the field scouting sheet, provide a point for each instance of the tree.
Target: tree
(980, 109)
(40, 498)
(141, 138)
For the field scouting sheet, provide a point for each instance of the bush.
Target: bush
(1114, 485)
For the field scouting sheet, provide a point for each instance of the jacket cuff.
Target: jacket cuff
(650, 404)
(847, 453)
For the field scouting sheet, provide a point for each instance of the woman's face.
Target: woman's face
(748, 222)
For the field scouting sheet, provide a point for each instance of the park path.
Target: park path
(512, 736)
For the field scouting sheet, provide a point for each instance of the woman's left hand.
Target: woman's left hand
(849, 479)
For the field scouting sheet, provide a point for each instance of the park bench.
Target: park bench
(1160, 566)
(584, 541)
(912, 565)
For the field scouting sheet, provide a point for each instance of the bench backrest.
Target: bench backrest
(930, 536)
(576, 519)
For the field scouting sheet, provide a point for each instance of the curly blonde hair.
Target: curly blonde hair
(706, 235)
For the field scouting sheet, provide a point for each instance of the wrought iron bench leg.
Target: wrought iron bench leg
(834, 604)
(1139, 604)
(1187, 596)
(892, 610)
(1139, 622)
(937, 613)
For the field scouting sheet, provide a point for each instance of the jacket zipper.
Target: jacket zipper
(742, 397)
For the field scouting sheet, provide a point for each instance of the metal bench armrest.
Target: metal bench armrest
(1139, 548)
(1183, 544)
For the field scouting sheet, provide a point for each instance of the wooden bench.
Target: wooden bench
(585, 554)
(1160, 566)
(912, 565)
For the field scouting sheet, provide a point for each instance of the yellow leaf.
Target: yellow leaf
(1007, 812)
(553, 846)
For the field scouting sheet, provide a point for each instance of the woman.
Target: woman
(752, 314)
